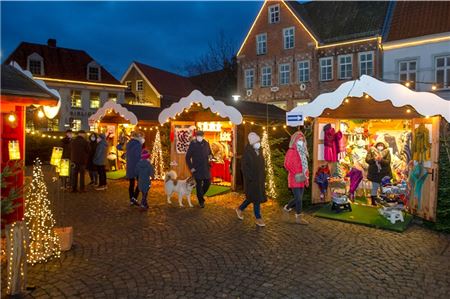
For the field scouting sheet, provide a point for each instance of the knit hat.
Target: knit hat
(253, 138)
(199, 133)
(145, 154)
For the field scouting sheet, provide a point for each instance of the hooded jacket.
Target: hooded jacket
(133, 155)
(101, 151)
(329, 143)
(296, 161)
(144, 170)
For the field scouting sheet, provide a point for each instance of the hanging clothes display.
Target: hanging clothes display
(417, 178)
(321, 179)
(356, 177)
(421, 146)
(405, 152)
(340, 145)
(329, 144)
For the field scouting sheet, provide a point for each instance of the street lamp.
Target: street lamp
(236, 97)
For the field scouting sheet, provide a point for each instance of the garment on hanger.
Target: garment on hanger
(329, 145)
(390, 140)
(356, 177)
(405, 152)
(340, 145)
(321, 178)
(417, 178)
(421, 146)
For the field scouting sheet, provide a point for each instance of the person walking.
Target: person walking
(133, 155)
(379, 160)
(296, 163)
(144, 171)
(254, 175)
(79, 157)
(92, 169)
(100, 160)
(66, 146)
(197, 159)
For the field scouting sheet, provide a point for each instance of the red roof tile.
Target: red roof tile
(418, 18)
(60, 63)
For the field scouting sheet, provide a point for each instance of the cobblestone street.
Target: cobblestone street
(171, 252)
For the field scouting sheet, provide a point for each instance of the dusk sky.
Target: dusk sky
(161, 34)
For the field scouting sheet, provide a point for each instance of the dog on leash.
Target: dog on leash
(180, 187)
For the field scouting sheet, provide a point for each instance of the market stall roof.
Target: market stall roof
(117, 108)
(206, 101)
(425, 103)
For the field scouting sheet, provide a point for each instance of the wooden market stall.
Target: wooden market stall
(363, 112)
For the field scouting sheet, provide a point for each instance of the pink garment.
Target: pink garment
(356, 177)
(340, 142)
(293, 165)
(329, 144)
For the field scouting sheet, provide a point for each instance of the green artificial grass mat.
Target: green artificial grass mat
(364, 215)
(362, 200)
(116, 175)
(215, 190)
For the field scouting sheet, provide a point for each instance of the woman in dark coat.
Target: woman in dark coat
(379, 160)
(254, 174)
(93, 174)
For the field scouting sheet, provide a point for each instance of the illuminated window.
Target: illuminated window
(249, 78)
(326, 68)
(75, 99)
(266, 76)
(261, 44)
(128, 84)
(443, 71)
(274, 13)
(289, 37)
(345, 67)
(94, 101)
(94, 73)
(139, 85)
(76, 124)
(407, 72)
(285, 74)
(303, 71)
(112, 96)
(366, 63)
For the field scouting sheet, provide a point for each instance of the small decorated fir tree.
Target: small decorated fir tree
(44, 243)
(157, 156)
(270, 179)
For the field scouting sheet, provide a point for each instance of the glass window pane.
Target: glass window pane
(440, 62)
(440, 77)
(412, 65)
(412, 77)
(448, 60)
(402, 66)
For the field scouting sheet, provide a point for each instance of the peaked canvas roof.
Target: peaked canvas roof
(425, 103)
(117, 108)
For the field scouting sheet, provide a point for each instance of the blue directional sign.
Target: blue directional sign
(294, 119)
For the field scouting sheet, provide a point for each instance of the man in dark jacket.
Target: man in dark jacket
(66, 145)
(197, 159)
(254, 174)
(99, 161)
(79, 157)
(133, 156)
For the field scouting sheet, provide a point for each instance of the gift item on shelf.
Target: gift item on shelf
(356, 177)
(329, 144)
(421, 146)
(321, 179)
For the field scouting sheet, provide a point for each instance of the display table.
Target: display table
(221, 170)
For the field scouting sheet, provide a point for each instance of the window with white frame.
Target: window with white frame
(279, 104)
(345, 66)
(407, 72)
(76, 124)
(266, 76)
(285, 74)
(261, 44)
(289, 37)
(326, 68)
(249, 78)
(274, 13)
(94, 100)
(128, 84)
(139, 85)
(443, 71)
(35, 64)
(93, 71)
(75, 99)
(303, 71)
(366, 63)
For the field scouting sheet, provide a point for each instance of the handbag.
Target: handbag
(300, 177)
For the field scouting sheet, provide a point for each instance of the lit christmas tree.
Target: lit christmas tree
(157, 157)
(44, 243)
(270, 183)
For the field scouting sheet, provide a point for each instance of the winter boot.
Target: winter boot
(299, 218)
(374, 200)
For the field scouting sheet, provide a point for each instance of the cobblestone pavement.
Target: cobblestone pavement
(171, 252)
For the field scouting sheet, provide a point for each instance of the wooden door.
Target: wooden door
(317, 158)
(428, 200)
(178, 147)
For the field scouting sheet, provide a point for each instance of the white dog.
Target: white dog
(182, 187)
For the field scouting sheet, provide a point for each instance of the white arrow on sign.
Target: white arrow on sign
(294, 119)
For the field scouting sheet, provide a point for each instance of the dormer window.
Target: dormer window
(35, 64)
(274, 13)
(93, 71)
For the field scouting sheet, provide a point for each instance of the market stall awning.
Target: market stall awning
(113, 107)
(424, 103)
(207, 102)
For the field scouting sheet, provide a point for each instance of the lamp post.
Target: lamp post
(236, 97)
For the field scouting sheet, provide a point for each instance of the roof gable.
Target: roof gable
(59, 63)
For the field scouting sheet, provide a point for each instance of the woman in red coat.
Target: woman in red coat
(296, 163)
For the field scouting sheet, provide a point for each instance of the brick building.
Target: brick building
(295, 51)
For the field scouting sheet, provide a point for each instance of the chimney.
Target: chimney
(51, 42)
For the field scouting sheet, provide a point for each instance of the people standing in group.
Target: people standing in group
(254, 175)
(197, 159)
(99, 160)
(92, 169)
(133, 156)
(296, 163)
(144, 171)
(66, 146)
(379, 160)
(79, 158)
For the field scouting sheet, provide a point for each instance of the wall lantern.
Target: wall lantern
(64, 167)
(40, 114)
(56, 156)
(14, 150)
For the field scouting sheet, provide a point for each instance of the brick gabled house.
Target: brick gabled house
(295, 51)
(83, 83)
